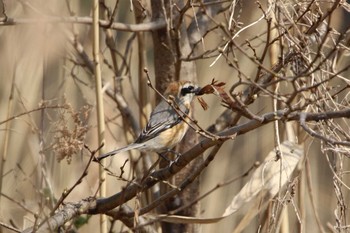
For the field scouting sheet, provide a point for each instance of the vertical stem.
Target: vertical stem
(143, 95)
(7, 132)
(302, 202)
(274, 51)
(44, 178)
(99, 103)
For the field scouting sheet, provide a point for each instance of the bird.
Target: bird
(165, 127)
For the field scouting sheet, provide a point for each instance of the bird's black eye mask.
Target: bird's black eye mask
(189, 89)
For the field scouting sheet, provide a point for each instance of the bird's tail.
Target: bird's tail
(120, 150)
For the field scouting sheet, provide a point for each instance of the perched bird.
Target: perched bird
(165, 127)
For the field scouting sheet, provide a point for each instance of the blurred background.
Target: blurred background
(47, 85)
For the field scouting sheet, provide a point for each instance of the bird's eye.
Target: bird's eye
(190, 88)
(186, 90)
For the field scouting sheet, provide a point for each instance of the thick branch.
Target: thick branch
(69, 211)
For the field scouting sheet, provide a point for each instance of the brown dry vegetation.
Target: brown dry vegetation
(286, 68)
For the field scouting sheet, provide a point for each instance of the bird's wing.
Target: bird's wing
(162, 117)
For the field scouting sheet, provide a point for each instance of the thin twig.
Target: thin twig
(18, 203)
(11, 228)
(80, 179)
(312, 133)
(33, 110)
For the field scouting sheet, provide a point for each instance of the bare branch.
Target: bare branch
(85, 20)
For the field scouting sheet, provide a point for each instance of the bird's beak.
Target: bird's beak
(196, 90)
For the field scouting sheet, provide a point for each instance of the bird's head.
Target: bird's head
(182, 90)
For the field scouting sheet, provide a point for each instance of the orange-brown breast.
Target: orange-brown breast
(173, 135)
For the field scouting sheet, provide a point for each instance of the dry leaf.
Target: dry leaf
(216, 88)
(212, 88)
(266, 181)
(202, 103)
(269, 177)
